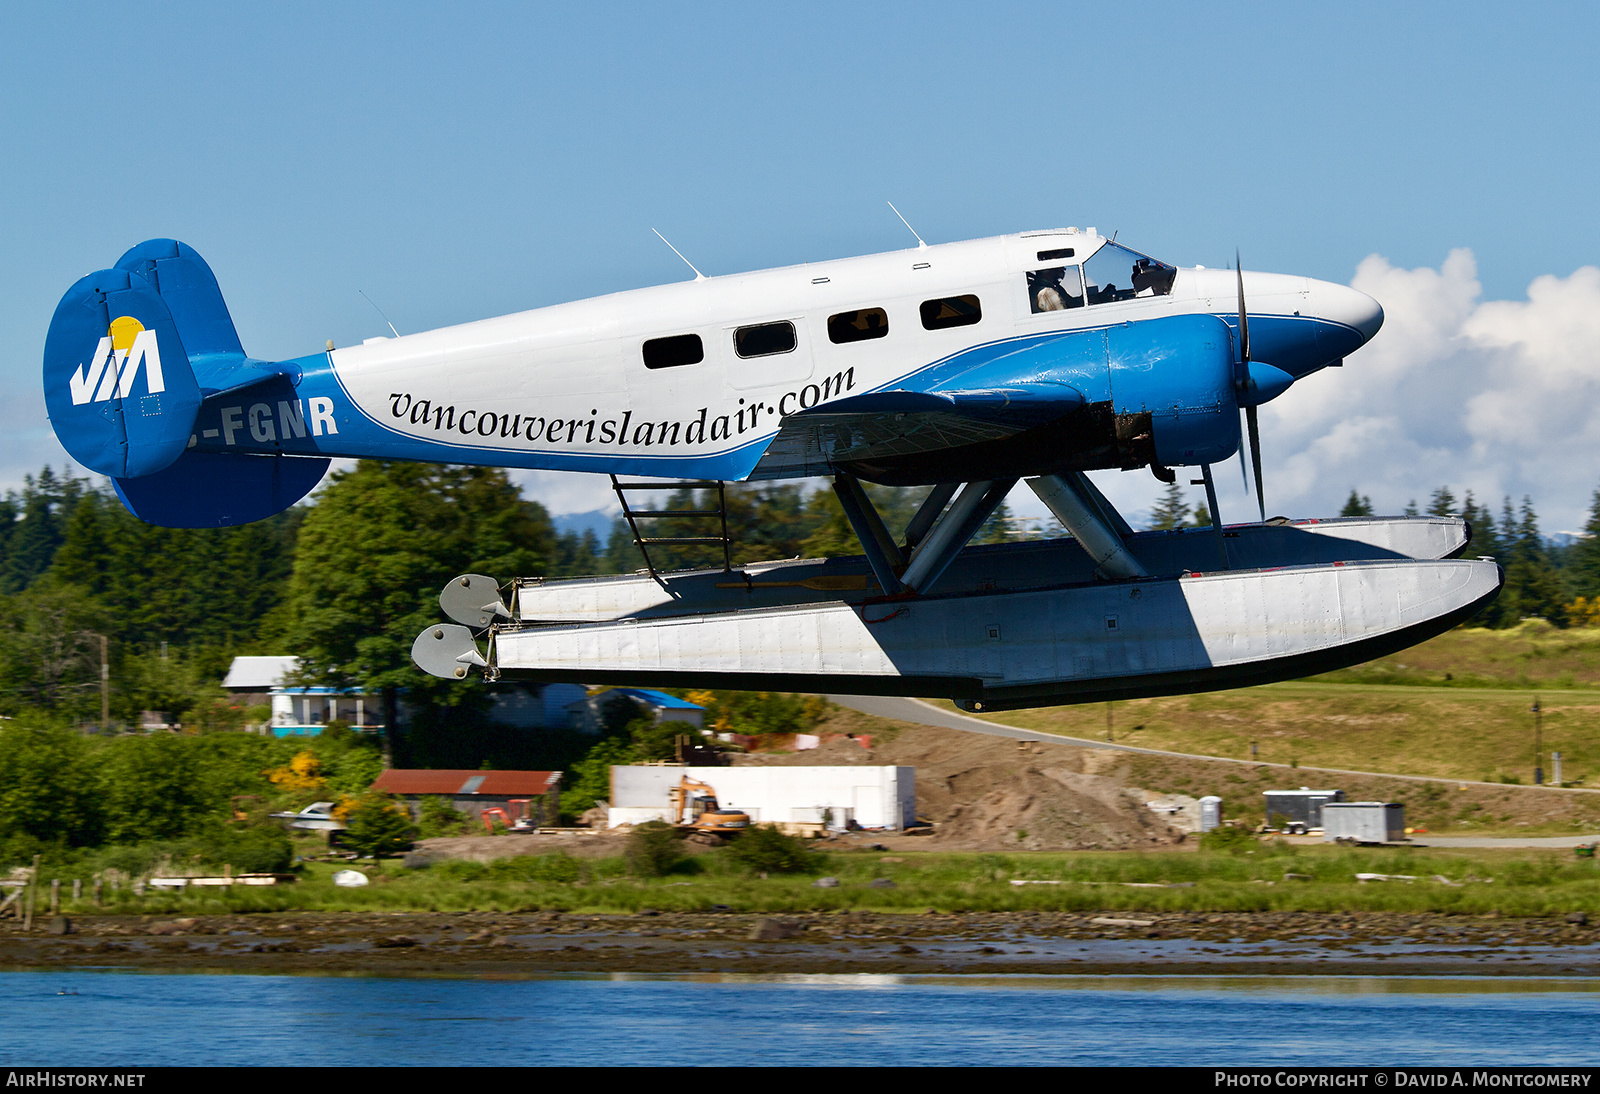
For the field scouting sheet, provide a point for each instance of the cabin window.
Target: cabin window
(1056, 255)
(951, 311)
(1116, 273)
(858, 326)
(764, 340)
(1055, 289)
(680, 349)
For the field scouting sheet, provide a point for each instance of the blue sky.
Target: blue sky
(468, 160)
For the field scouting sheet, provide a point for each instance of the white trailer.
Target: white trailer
(1363, 822)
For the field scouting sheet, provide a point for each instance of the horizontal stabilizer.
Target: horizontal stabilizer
(220, 489)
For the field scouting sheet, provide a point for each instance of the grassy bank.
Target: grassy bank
(1520, 883)
(1532, 655)
(1456, 706)
(1482, 734)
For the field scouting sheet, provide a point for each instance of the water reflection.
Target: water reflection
(123, 1019)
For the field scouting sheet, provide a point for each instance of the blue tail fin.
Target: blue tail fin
(131, 354)
(110, 328)
(190, 291)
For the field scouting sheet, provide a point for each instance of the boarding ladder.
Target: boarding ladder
(644, 542)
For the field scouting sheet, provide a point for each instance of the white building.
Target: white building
(296, 711)
(870, 797)
(306, 711)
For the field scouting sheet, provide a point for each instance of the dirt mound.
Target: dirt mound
(986, 793)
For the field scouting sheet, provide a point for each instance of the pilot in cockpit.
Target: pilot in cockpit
(1055, 289)
(1148, 278)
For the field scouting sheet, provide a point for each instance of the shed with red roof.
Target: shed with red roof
(473, 791)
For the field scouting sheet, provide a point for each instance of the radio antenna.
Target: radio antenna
(698, 276)
(921, 246)
(379, 310)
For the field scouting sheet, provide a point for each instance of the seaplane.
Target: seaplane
(962, 367)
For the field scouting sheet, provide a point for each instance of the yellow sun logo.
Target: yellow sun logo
(123, 331)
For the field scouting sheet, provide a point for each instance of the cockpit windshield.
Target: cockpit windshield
(1116, 273)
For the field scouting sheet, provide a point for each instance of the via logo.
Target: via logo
(115, 364)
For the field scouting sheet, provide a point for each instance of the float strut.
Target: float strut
(882, 554)
(1108, 512)
(928, 513)
(1079, 514)
(953, 531)
(1216, 518)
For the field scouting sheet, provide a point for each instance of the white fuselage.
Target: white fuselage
(567, 387)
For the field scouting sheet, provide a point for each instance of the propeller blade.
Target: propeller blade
(1252, 422)
(1255, 457)
(1244, 316)
(1244, 477)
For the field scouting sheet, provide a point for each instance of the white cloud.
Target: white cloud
(1498, 397)
(567, 491)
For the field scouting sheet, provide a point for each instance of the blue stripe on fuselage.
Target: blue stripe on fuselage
(277, 416)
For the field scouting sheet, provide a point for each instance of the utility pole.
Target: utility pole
(1538, 746)
(1108, 720)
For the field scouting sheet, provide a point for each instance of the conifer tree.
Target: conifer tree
(40, 515)
(1172, 511)
(1485, 540)
(1531, 578)
(1356, 506)
(1583, 575)
(1486, 543)
(622, 554)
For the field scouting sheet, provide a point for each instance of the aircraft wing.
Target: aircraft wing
(904, 423)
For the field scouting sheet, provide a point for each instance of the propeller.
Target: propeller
(1245, 386)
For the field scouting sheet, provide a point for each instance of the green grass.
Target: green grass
(1525, 883)
(1532, 655)
(1477, 734)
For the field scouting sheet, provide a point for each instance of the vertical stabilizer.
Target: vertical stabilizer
(117, 382)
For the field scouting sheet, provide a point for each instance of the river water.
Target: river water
(111, 1018)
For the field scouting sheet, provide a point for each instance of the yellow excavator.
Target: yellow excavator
(694, 807)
